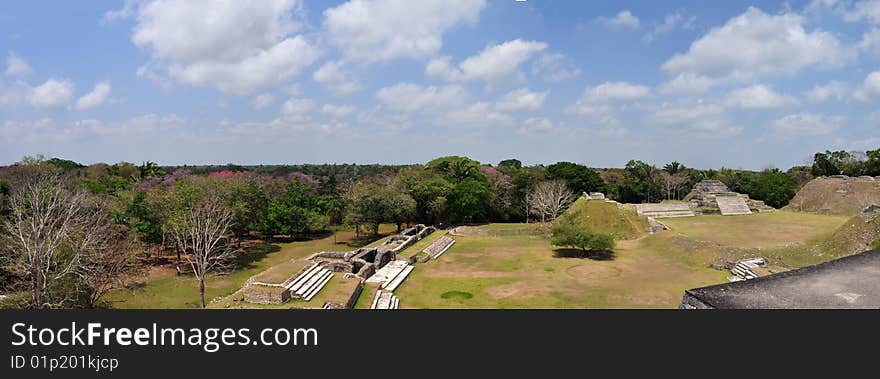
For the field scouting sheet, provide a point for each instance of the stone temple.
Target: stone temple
(714, 197)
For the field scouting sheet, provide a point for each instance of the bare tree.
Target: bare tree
(673, 184)
(550, 199)
(47, 232)
(106, 263)
(203, 232)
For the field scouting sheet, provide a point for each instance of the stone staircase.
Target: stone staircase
(310, 282)
(733, 205)
(385, 300)
(391, 275)
(662, 210)
(438, 247)
(743, 270)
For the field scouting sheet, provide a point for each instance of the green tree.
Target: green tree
(773, 187)
(456, 169)
(469, 201)
(510, 164)
(579, 178)
(568, 233)
(425, 187)
(641, 183)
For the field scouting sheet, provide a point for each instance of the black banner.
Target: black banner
(336, 343)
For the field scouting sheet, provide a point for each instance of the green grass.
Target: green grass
(503, 270)
(421, 244)
(608, 218)
(521, 271)
(163, 289)
(761, 231)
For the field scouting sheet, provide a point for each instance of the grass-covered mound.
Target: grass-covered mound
(607, 218)
(838, 196)
(858, 234)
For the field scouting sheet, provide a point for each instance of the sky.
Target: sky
(738, 84)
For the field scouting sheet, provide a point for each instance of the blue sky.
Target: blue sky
(743, 84)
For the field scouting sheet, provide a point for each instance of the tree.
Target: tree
(426, 187)
(673, 183)
(203, 231)
(566, 232)
(49, 230)
(872, 165)
(641, 183)
(579, 178)
(550, 199)
(674, 167)
(104, 265)
(371, 204)
(456, 169)
(773, 187)
(514, 164)
(469, 201)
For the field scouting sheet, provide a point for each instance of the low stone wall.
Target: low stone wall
(262, 294)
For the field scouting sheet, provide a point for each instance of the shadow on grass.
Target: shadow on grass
(596, 255)
(253, 253)
(364, 240)
(301, 237)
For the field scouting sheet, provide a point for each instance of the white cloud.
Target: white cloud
(493, 64)
(807, 123)
(522, 100)
(16, 66)
(52, 94)
(868, 10)
(871, 41)
(93, 99)
(13, 94)
(382, 30)
(758, 96)
(478, 114)
(11, 130)
(870, 87)
(670, 22)
(234, 46)
(554, 67)
(623, 19)
(412, 97)
(338, 111)
(687, 83)
(698, 118)
(335, 78)
(263, 101)
(833, 89)
(299, 110)
(538, 125)
(613, 91)
(126, 12)
(270, 67)
(756, 44)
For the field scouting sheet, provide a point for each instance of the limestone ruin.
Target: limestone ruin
(713, 197)
(304, 279)
(438, 247)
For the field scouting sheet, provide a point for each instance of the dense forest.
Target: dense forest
(69, 231)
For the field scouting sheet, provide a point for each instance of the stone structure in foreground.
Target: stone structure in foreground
(851, 282)
(304, 279)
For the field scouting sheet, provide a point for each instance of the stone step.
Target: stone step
(311, 282)
(393, 283)
(732, 205)
(318, 287)
(302, 278)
